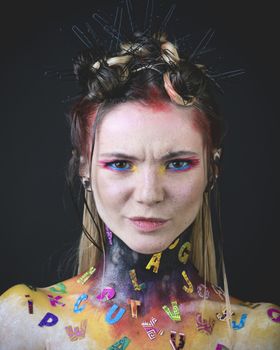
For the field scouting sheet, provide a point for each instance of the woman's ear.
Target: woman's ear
(84, 173)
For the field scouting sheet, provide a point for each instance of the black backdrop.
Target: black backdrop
(38, 225)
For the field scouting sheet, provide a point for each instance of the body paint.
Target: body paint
(184, 252)
(221, 347)
(118, 316)
(54, 300)
(133, 304)
(241, 323)
(107, 293)
(204, 325)
(77, 308)
(77, 333)
(48, 320)
(59, 288)
(150, 328)
(203, 291)
(175, 313)
(86, 276)
(136, 285)
(30, 304)
(223, 316)
(121, 344)
(189, 288)
(173, 340)
(274, 315)
(174, 245)
(155, 262)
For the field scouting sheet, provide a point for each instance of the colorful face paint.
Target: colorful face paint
(189, 287)
(241, 323)
(77, 307)
(154, 262)
(203, 291)
(108, 293)
(175, 313)
(59, 288)
(204, 325)
(122, 344)
(133, 304)
(184, 252)
(118, 165)
(274, 315)
(118, 316)
(173, 342)
(150, 328)
(49, 320)
(137, 287)
(86, 276)
(77, 333)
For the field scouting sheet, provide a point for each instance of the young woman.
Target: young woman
(146, 144)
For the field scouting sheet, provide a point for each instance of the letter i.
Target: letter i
(30, 304)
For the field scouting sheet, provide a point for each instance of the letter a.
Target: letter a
(155, 261)
(122, 344)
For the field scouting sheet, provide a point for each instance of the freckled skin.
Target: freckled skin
(167, 293)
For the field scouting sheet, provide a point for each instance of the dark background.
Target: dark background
(38, 224)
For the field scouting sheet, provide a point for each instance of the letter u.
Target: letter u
(118, 316)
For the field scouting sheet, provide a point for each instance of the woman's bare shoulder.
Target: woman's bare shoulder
(25, 313)
(257, 324)
(17, 318)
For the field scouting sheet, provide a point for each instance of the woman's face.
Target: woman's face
(147, 180)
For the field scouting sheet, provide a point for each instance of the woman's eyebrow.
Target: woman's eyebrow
(167, 156)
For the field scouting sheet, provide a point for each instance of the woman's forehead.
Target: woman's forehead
(134, 123)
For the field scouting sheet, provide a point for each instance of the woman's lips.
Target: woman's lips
(148, 225)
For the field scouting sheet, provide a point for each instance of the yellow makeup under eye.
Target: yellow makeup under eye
(124, 165)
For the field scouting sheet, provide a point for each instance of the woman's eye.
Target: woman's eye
(180, 164)
(175, 165)
(120, 165)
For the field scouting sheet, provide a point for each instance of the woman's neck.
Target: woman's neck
(165, 275)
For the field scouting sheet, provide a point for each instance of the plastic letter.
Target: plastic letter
(155, 261)
(189, 287)
(184, 252)
(48, 320)
(118, 316)
(81, 298)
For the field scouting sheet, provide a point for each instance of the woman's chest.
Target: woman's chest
(190, 325)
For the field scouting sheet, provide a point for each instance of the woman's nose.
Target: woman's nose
(149, 187)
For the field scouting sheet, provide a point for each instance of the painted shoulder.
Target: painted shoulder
(28, 314)
(258, 326)
(17, 318)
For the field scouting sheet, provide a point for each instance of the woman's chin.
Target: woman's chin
(147, 247)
